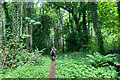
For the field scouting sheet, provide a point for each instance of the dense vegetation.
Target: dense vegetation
(82, 65)
(85, 36)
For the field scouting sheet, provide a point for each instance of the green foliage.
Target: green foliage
(77, 65)
(13, 54)
(27, 18)
(31, 21)
(98, 60)
(110, 39)
(43, 51)
(23, 36)
(74, 65)
(41, 32)
(71, 41)
(31, 70)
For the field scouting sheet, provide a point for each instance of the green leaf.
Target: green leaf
(27, 18)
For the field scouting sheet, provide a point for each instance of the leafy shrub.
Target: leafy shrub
(71, 41)
(75, 65)
(31, 70)
(98, 60)
(14, 54)
(38, 57)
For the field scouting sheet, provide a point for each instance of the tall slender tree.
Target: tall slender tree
(118, 4)
(27, 39)
(43, 8)
(85, 32)
(97, 28)
(18, 27)
(21, 16)
(31, 26)
(62, 35)
(0, 27)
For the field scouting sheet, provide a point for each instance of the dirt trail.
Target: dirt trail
(52, 70)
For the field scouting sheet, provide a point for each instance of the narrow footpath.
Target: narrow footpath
(52, 71)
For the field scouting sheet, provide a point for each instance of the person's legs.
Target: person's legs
(53, 56)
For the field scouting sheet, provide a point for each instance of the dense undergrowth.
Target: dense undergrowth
(68, 65)
(37, 67)
(82, 65)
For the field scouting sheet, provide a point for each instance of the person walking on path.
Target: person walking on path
(53, 53)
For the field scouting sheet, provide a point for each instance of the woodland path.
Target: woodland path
(52, 70)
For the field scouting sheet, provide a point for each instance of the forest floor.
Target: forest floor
(66, 65)
(80, 65)
(52, 71)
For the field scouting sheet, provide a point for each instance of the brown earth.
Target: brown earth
(52, 71)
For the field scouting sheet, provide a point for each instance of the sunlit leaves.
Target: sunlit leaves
(27, 18)
(31, 21)
(25, 36)
(107, 13)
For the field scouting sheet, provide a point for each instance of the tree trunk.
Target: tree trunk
(43, 9)
(18, 27)
(70, 23)
(76, 22)
(14, 17)
(21, 17)
(63, 43)
(57, 39)
(7, 18)
(80, 41)
(31, 26)
(27, 39)
(85, 31)
(97, 29)
(14, 7)
(61, 29)
(0, 27)
(8, 21)
(31, 38)
(118, 4)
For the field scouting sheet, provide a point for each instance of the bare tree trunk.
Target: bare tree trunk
(61, 29)
(21, 17)
(31, 38)
(57, 39)
(27, 39)
(30, 30)
(60, 26)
